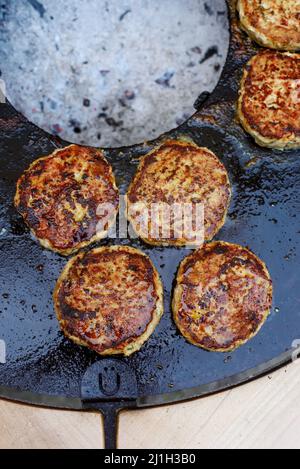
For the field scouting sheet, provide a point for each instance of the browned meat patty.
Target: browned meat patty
(178, 174)
(272, 23)
(222, 298)
(109, 299)
(268, 106)
(59, 198)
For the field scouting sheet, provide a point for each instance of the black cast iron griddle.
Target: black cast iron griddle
(44, 368)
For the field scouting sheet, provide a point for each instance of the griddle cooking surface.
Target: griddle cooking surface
(264, 215)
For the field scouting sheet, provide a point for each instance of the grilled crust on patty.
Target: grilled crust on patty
(59, 198)
(179, 172)
(109, 300)
(222, 298)
(268, 105)
(272, 23)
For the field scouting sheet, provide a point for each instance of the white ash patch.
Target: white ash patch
(111, 73)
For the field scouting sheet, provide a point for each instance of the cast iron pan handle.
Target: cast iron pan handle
(110, 419)
(109, 386)
(110, 412)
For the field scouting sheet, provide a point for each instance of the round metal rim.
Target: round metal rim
(243, 377)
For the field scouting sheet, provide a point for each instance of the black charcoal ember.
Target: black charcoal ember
(197, 50)
(208, 9)
(124, 14)
(113, 123)
(165, 79)
(39, 7)
(129, 94)
(209, 54)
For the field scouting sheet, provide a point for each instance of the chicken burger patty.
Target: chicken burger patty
(68, 199)
(272, 23)
(268, 106)
(109, 300)
(179, 195)
(222, 298)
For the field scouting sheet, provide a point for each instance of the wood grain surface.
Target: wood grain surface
(261, 414)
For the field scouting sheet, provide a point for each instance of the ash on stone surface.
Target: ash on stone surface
(110, 73)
